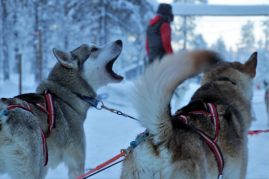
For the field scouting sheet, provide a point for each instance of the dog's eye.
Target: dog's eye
(94, 49)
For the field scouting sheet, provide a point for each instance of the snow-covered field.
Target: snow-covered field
(107, 133)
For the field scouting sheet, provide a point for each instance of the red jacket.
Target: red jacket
(165, 31)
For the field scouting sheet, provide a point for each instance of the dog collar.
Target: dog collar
(93, 102)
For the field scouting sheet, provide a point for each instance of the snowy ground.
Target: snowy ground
(107, 133)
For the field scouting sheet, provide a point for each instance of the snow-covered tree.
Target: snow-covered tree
(5, 38)
(263, 55)
(33, 28)
(199, 42)
(265, 25)
(220, 47)
(183, 27)
(247, 36)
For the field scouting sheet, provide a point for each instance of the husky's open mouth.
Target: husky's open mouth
(110, 71)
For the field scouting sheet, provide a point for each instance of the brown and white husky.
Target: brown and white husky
(173, 149)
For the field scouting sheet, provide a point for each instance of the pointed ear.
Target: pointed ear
(64, 57)
(251, 64)
(265, 83)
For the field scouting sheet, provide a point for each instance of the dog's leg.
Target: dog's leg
(244, 163)
(236, 167)
(183, 170)
(131, 171)
(44, 171)
(75, 162)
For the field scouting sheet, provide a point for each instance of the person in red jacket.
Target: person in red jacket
(158, 41)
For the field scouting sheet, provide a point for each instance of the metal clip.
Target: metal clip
(126, 151)
(5, 112)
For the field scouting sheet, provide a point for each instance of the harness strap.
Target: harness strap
(185, 119)
(19, 106)
(45, 149)
(211, 142)
(50, 112)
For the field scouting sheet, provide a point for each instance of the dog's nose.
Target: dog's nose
(119, 42)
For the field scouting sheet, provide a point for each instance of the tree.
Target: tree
(68, 24)
(263, 64)
(5, 37)
(183, 27)
(247, 36)
(199, 42)
(265, 24)
(220, 47)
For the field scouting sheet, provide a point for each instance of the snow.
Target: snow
(108, 133)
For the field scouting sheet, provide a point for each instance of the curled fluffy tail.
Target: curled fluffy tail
(153, 92)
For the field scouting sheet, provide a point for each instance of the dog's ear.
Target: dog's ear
(64, 57)
(251, 64)
(265, 83)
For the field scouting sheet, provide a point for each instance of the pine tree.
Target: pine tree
(199, 42)
(5, 37)
(184, 26)
(68, 24)
(247, 36)
(265, 24)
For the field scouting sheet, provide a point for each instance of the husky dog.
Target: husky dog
(266, 99)
(81, 71)
(174, 149)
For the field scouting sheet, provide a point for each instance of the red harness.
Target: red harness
(211, 142)
(49, 112)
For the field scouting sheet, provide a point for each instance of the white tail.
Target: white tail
(154, 90)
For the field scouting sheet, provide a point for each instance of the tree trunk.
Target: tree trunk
(103, 24)
(184, 32)
(5, 36)
(16, 43)
(44, 40)
(35, 66)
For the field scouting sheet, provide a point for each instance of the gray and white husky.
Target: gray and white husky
(81, 71)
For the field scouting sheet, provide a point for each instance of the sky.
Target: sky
(229, 28)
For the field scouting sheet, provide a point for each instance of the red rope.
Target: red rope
(102, 165)
(257, 132)
(122, 154)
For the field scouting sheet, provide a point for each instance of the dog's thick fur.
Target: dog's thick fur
(174, 149)
(82, 71)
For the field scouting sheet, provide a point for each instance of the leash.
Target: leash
(124, 152)
(257, 132)
(103, 169)
(100, 105)
(99, 167)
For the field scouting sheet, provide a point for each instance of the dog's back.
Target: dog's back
(18, 146)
